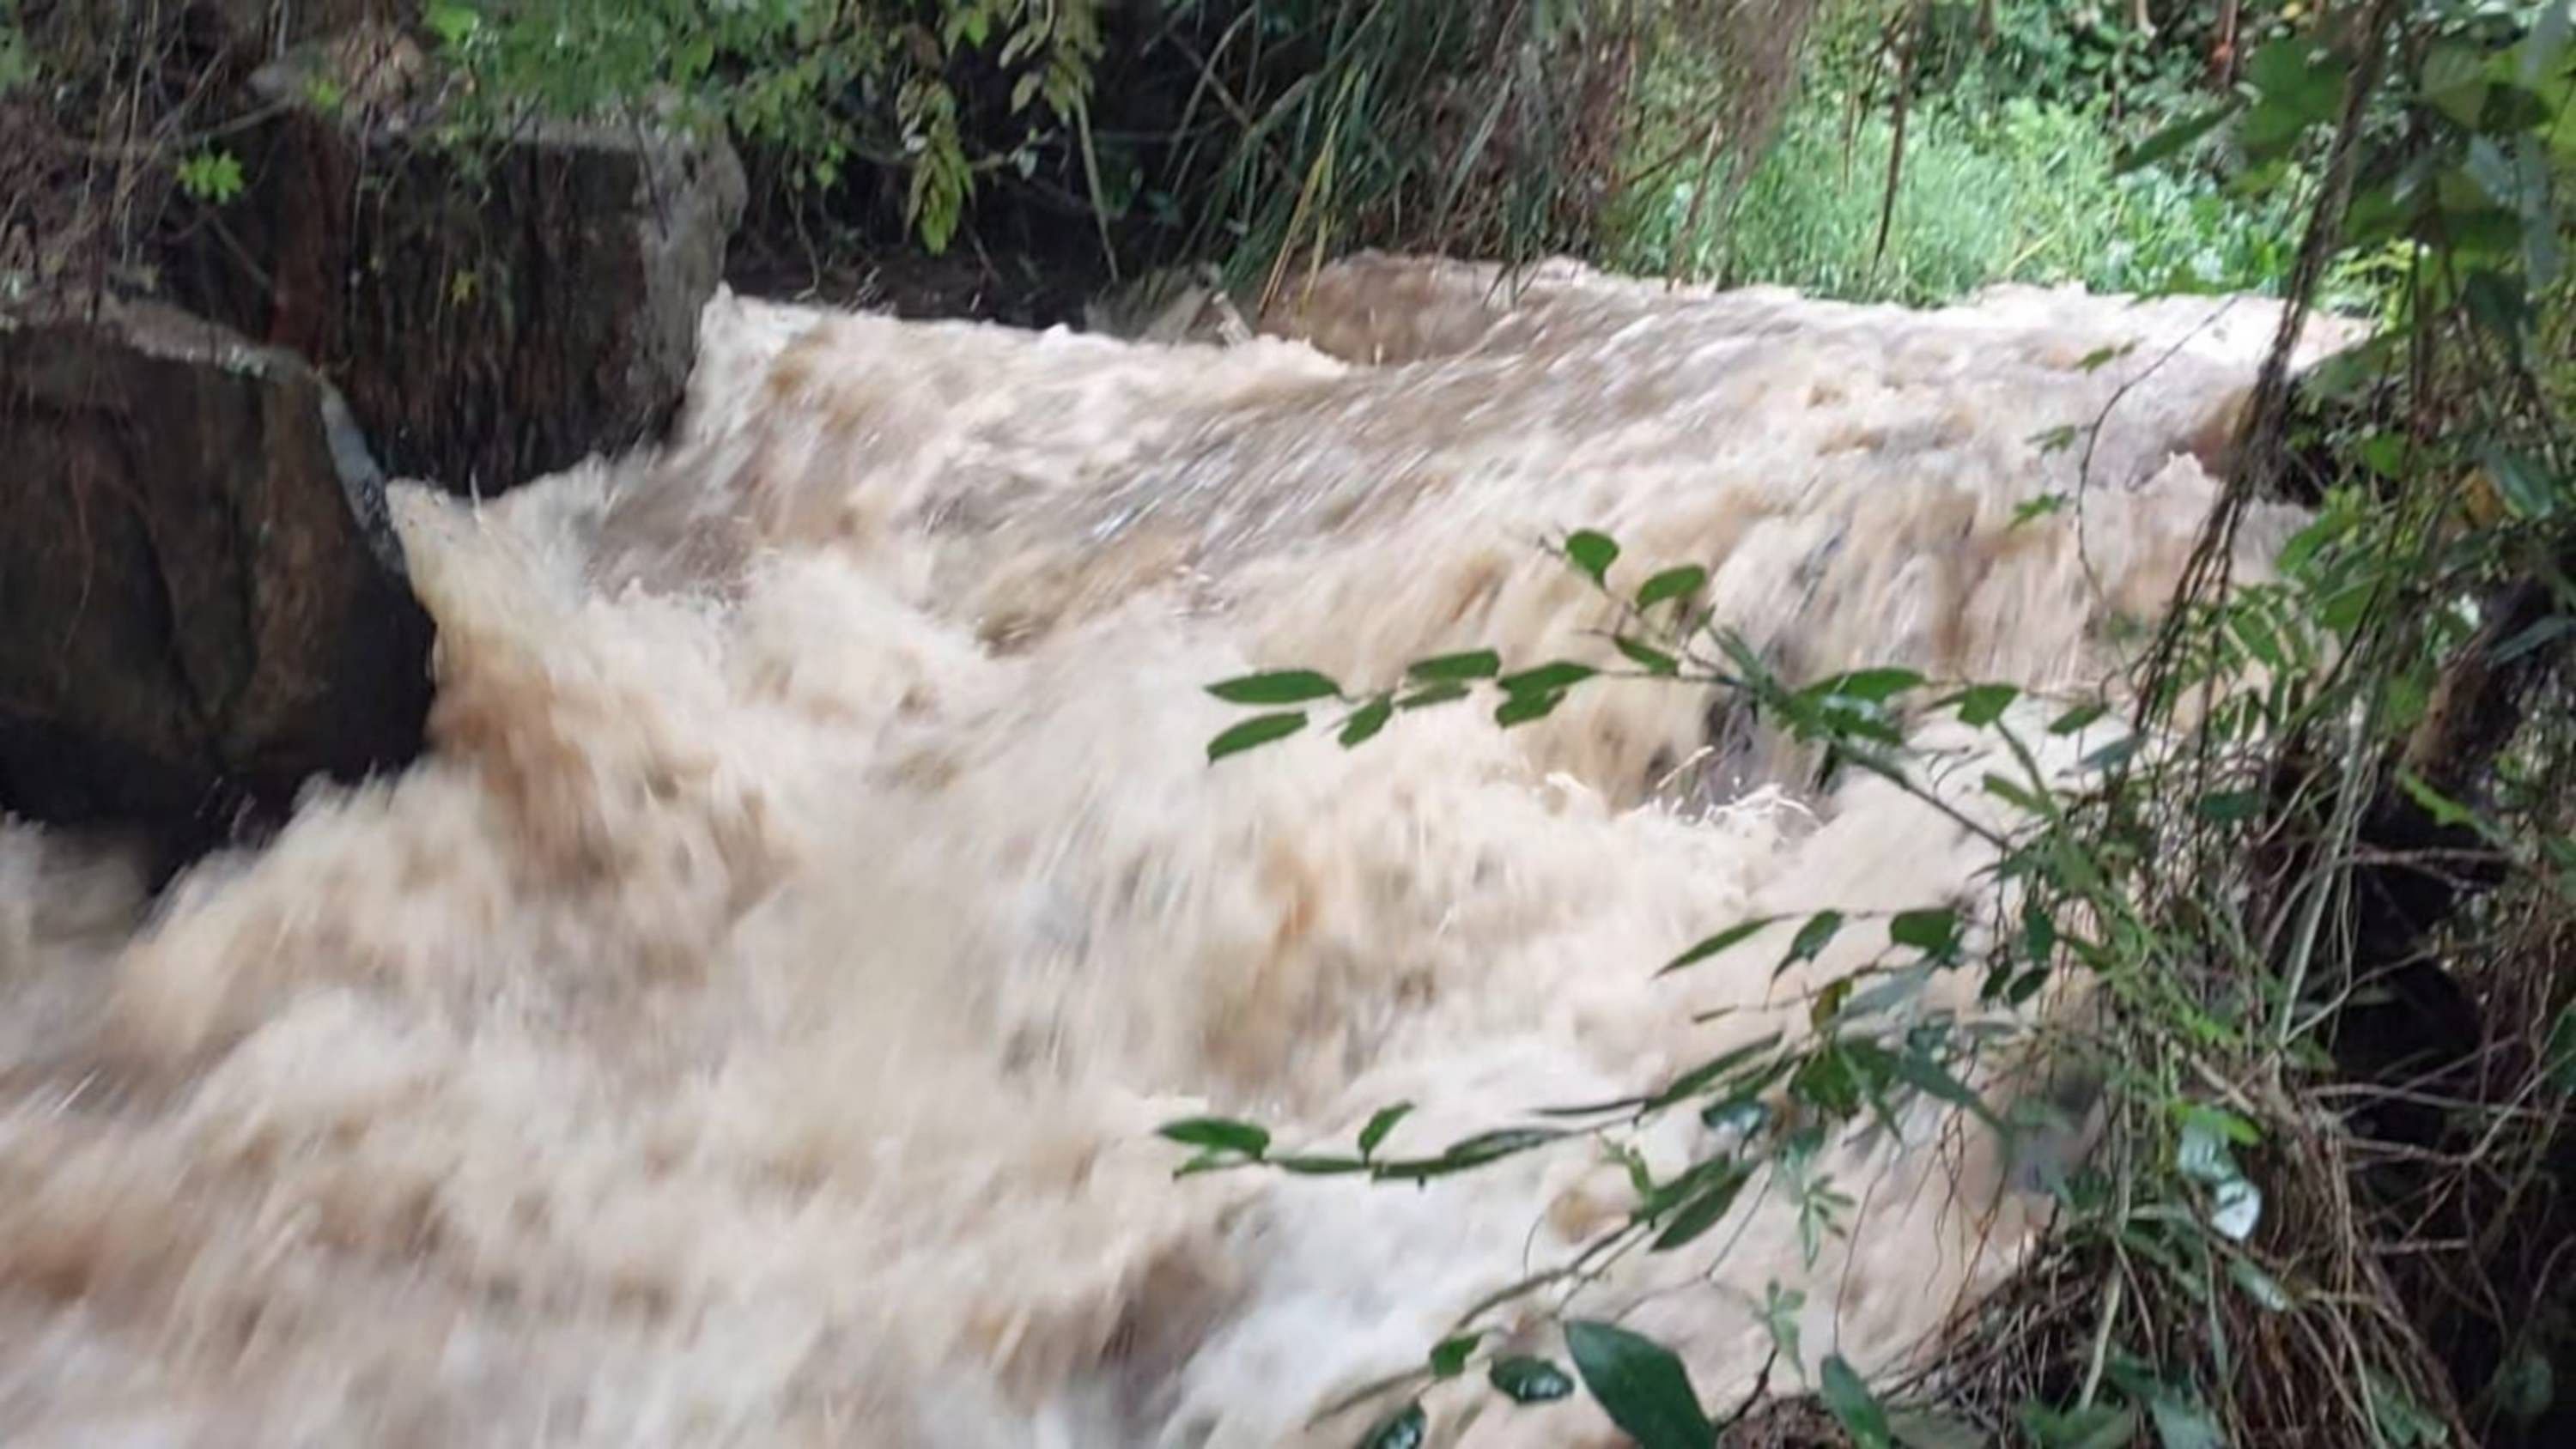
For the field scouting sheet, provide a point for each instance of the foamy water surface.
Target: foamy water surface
(750, 1026)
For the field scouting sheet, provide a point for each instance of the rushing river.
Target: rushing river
(750, 1026)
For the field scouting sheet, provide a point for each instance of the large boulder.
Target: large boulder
(493, 311)
(204, 596)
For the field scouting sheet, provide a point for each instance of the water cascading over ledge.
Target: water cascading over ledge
(750, 1023)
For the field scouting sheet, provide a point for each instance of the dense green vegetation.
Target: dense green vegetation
(2318, 886)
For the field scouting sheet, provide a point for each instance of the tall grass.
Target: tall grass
(2013, 191)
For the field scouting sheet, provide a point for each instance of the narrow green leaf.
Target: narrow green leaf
(1853, 1405)
(2100, 357)
(1690, 1083)
(2077, 719)
(1732, 935)
(2040, 507)
(2558, 1058)
(1279, 686)
(1474, 664)
(1655, 660)
(1812, 938)
(2173, 140)
(1470, 1152)
(1593, 553)
(1717, 1193)
(1318, 1166)
(1223, 1134)
(1640, 1384)
(2014, 795)
(1525, 1380)
(1449, 1356)
(1449, 692)
(1918, 1429)
(1673, 583)
(1934, 1080)
(1871, 686)
(2103, 1426)
(1406, 1428)
(1521, 709)
(1380, 1123)
(2547, 631)
(1547, 678)
(1259, 730)
(1367, 720)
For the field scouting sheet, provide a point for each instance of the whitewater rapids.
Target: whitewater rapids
(749, 1027)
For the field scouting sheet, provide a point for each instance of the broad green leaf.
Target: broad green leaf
(1279, 686)
(1853, 1405)
(1933, 932)
(1547, 678)
(2300, 85)
(1640, 1384)
(2218, 1122)
(1812, 938)
(1474, 664)
(2526, 1386)
(1673, 583)
(2181, 1423)
(1449, 1356)
(2455, 80)
(1982, 704)
(2402, 1422)
(2522, 481)
(1380, 1123)
(1653, 659)
(1717, 1194)
(1593, 553)
(1222, 1134)
(2384, 453)
(1828, 1082)
(1367, 720)
(1406, 1428)
(2226, 806)
(1525, 1380)
(1259, 730)
(1732, 935)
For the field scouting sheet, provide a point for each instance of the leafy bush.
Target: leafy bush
(881, 80)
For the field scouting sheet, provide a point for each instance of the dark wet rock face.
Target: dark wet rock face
(493, 311)
(204, 596)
